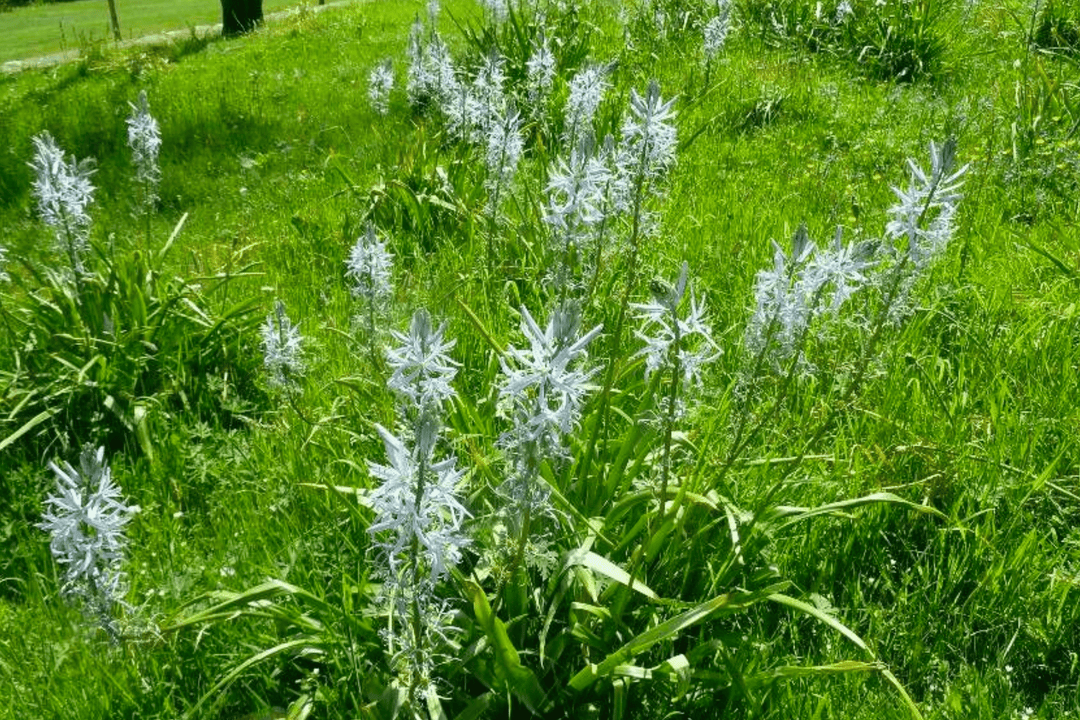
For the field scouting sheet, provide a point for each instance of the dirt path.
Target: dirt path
(46, 61)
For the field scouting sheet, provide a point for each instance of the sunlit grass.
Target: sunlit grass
(970, 408)
(38, 30)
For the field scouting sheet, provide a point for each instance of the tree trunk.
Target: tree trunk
(113, 21)
(240, 16)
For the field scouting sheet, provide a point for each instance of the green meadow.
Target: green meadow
(883, 522)
(39, 30)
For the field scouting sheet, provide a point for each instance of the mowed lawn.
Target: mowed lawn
(33, 31)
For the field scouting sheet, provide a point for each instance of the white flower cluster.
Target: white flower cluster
(380, 84)
(541, 74)
(803, 285)
(85, 520)
(648, 131)
(925, 212)
(64, 191)
(410, 507)
(809, 283)
(504, 149)
(4, 277)
(843, 12)
(489, 98)
(545, 395)
(473, 109)
(369, 266)
(418, 517)
(430, 76)
(282, 354)
(144, 139)
(422, 369)
(717, 29)
(538, 381)
(587, 90)
(684, 344)
(577, 193)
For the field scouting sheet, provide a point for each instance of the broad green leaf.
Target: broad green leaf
(477, 707)
(519, 679)
(596, 563)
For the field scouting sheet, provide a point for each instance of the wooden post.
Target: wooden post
(114, 21)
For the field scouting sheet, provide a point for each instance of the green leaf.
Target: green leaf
(850, 635)
(477, 708)
(821, 615)
(297, 644)
(722, 604)
(596, 563)
(27, 427)
(517, 678)
(797, 514)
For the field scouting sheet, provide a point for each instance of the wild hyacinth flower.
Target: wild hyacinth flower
(843, 12)
(405, 510)
(144, 139)
(717, 29)
(420, 82)
(418, 518)
(421, 368)
(677, 347)
(645, 154)
(541, 75)
(923, 221)
(64, 191)
(462, 112)
(380, 83)
(504, 149)
(85, 519)
(617, 190)
(924, 214)
(369, 266)
(586, 91)
(282, 354)
(648, 131)
(780, 313)
(418, 536)
(546, 394)
(575, 192)
(577, 205)
(490, 100)
(4, 277)
(683, 345)
(441, 69)
(842, 269)
(804, 285)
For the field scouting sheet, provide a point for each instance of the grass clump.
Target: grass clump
(1057, 28)
(893, 40)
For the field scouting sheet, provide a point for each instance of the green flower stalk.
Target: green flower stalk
(418, 518)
